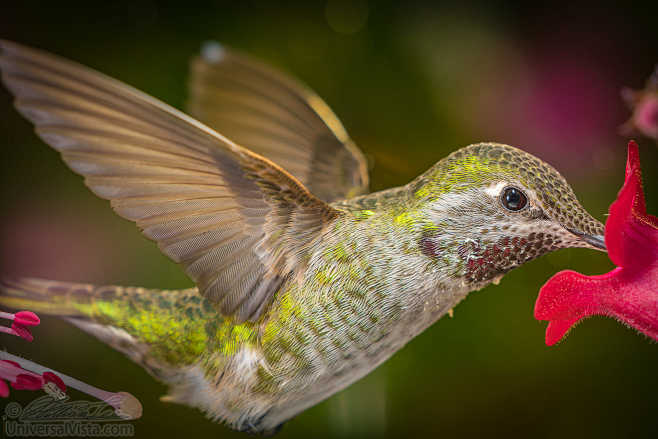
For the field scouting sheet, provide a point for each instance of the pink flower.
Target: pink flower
(628, 293)
(11, 370)
(21, 320)
(24, 374)
(644, 104)
(23, 379)
(24, 318)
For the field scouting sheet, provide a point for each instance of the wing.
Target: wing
(234, 220)
(278, 118)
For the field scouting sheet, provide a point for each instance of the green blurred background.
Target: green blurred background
(411, 82)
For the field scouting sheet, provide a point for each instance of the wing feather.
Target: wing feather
(211, 205)
(277, 117)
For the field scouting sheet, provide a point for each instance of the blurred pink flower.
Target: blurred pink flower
(20, 378)
(628, 293)
(28, 375)
(23, 318)
(644, 104)
(560, 99)
(24, 374)
(20, 321)
(23, 379)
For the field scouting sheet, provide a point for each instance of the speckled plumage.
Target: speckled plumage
(298, 297)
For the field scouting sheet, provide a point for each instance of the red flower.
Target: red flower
(628, 293)
(20, 321)
(24, 374)
(19, 378)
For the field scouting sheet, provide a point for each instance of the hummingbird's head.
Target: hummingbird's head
(489, 208)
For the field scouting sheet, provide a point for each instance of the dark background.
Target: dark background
(411, 82)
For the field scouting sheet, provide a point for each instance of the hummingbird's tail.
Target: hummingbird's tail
(176, 335)
(62, 299)
(162, 330)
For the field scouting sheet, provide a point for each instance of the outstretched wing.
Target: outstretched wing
(277, 117)
(234, 220)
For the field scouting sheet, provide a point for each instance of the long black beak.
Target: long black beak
(597, 241)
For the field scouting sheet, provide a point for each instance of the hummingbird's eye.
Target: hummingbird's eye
(513, 199)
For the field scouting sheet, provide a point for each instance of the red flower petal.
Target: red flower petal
(4, 389)
(26, 318)
(13, 363)
(629, 228)
(27, 382)
(628, 293)
(22, 331)
(50, 377)
(556, 329)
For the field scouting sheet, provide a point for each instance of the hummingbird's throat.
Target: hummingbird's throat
(485, 262)
(482, 260)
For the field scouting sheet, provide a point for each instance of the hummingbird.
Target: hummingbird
(305, 282)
